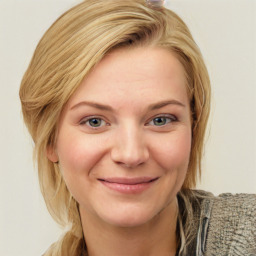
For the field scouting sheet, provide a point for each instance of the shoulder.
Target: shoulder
(238, 208)
(232, 224)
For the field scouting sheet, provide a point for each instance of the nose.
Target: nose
(129, 148)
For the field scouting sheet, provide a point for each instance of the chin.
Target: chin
(128, 221)
(129, 217)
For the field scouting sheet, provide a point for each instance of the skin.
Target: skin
(130, 118)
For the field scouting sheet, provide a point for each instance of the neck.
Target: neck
(156, 237)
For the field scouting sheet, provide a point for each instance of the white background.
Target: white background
(226, 33)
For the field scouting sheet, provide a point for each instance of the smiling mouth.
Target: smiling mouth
(129, 185)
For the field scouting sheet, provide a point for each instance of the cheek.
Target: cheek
(78, 153)
(173, 150)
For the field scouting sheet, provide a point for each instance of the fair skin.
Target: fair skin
(123, 148)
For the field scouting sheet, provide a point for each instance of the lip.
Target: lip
(129, 185)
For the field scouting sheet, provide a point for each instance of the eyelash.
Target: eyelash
(171, 118)
(88, 119)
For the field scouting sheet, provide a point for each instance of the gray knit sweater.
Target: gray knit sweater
(226, 226)
(223, 225)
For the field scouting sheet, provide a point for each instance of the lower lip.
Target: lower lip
(128, 188)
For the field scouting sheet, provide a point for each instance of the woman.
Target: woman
(116, 99)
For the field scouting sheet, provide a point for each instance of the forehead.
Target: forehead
(134, 73)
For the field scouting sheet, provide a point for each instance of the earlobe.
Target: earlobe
(51, 154)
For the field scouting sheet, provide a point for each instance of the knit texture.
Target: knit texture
(232, 226)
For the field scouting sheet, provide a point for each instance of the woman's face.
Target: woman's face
(125, 135)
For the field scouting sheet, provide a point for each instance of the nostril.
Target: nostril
(130, 162)
(128, 165)
(129, 152)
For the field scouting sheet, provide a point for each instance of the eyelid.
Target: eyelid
(87, 118)
(172, 117)
(84, 120)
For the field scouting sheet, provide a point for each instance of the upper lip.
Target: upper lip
(129, 181)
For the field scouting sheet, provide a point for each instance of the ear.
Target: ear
(51, 154)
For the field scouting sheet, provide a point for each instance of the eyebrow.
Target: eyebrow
(165, 103)
(92, 104)
(153, 106)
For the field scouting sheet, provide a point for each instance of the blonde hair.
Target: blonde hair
(67, 52)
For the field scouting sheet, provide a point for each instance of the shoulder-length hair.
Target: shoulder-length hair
(67, 52)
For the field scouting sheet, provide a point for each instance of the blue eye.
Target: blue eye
(161, 120)
(93, 122)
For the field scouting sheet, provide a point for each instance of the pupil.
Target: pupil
(95, 122)
(159, 121)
